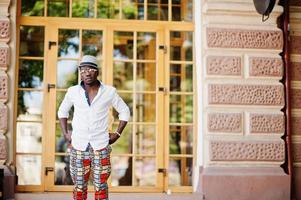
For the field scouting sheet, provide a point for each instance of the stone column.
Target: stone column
(243, 97)
(5, 34)
(295, 66)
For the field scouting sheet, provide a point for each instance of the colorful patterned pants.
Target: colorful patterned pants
(81, 163)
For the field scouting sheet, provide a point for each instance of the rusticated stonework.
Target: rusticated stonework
(246, 151)
(260, 123)
(225, 122)
(246, 94)
(223, 65)
(296, 98)
(295, 44)
(3, 57)
(239, 38)
(4, 29)
(260, 66)
(3, 117)
(296, 125)
(295, 71)
(3, 153)
(3, 87)
(297, 152)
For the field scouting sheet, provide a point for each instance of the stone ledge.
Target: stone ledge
(218, 183)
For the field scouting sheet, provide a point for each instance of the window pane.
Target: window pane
(31, 41)
(121, 174)
(68, 43)
(123, 76)
(152, 12)
(128, 99)
(181, 140)
(145, 139)
(181, 46)
(92, 43)
(180, 172)
(181, 108)
(83, 8)
(182, 10)
(30, 105)
(108, 9)
(31, 74)
(32, 8)
(145, 172)
(29, 137)
(58, 8)
(145, 107)
(67, 73)
(61, 145)
(124, 143)
(176, 13)
(146, 77)
(130, 9)
(181, 77)
(62, 171)
(27, 164)
(157, 10)
(123, 45)
(146, 46)
(59, 98)
(164, 12)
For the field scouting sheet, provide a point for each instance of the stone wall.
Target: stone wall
(295, 66)
(4, 79)
(243, 98)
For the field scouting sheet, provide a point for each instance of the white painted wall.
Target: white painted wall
(199, 77)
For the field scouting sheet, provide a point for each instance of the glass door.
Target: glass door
(130, 61)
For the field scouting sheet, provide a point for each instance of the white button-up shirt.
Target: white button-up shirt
(90, 122)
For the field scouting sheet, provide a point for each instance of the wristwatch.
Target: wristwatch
(116, 132)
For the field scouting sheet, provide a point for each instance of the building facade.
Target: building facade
(214, 94)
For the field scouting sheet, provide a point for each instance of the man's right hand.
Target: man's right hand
(68, 136)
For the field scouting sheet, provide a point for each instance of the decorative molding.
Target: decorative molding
(246, 151)
(224, 65)
(4, 30)
(4, 57)
(225, 122)
(240, 38)
(3, 151)
(262, 123)
(4, 7)
(260, 66)
(3, 118)
(3, 87)
(268, 95)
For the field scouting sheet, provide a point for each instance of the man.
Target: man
(90, 140)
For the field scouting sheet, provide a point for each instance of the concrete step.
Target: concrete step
(113, 196)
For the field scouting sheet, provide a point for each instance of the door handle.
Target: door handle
(49, 86)
(51, 43)
(48, 169)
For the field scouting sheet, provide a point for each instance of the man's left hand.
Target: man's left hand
(113, 138)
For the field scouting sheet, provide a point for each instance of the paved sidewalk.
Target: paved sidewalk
(113, 196)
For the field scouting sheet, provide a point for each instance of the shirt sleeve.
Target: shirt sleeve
(121, 107)
(65, 106)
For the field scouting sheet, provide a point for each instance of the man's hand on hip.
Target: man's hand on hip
(113, 138)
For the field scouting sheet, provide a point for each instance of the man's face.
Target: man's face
(88, 74)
